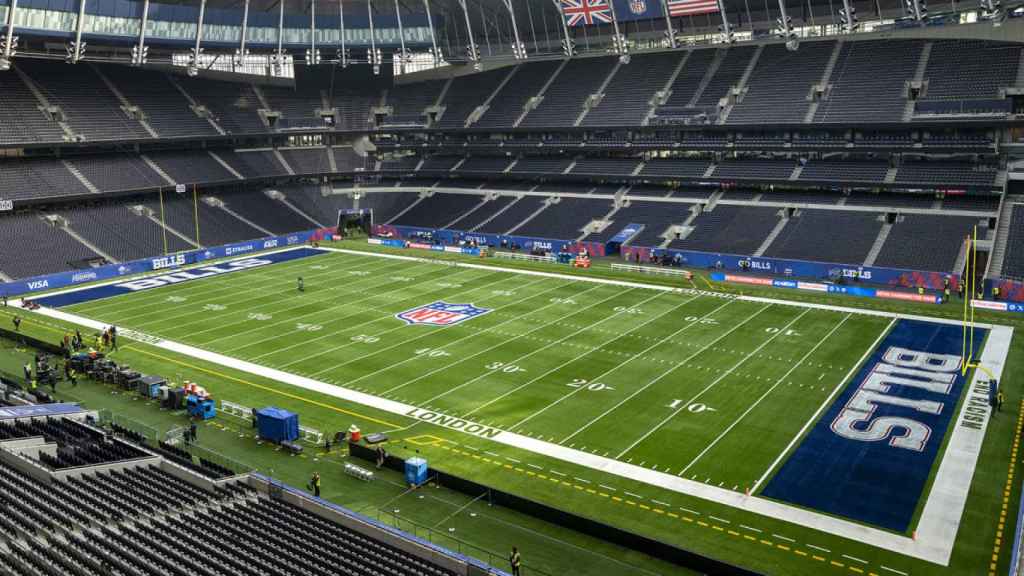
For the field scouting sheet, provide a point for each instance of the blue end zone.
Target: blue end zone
(149, 282)
(869, 456)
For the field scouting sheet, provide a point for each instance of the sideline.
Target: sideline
(936, 528)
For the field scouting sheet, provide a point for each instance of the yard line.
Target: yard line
(687, 510)
(660, 503)
(607, 488)
(713, 383)
(827, 402)
(578, 479)
(503, 343)
(717, 519)
(330, 296)
(456, 341)
(781, 537)
(113, 301)
(637, 496)
(335, 332)
(894, 571)
(399, 327)
(767, 392)
(819, 548)
(667, 372)
(632, 357)
(745, 527)
(263, 279)
(571, 360)
(855, 559)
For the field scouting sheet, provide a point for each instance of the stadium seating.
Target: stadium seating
(964, 69)
(827, 236)
(627, 97)
(655, 216)
(512, 216)
(21, 119)
(407, 106)
(466, 93)
(729, 230)
(266, 213)
(22, 178)
(952, 174)
(685, 86)
(508, 104)
(253, 163)
(1013, 261)
(605, 166)
(778, 88)
(844, 171)
(564, 97)
(34, 246)
(728, 74)
(438, 210)
(754, 169)
(234, 105)
(675, 167)
(925, 242)
(863, 91)
(565, 219)
(125, 235)
(164, 107)
(307, 160)
(215, 225)
(191, 167)
(118, 172)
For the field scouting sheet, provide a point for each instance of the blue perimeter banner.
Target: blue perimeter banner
(64, 279)
(869, 456)
(174, 277)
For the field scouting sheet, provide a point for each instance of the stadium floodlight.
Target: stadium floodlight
(7, 52)
(568, 48)
(519, 50)
(312, 57)
(139, 56)
(991, 10)
(344, 57)
(848, 19)
(620, 46)
(75, 52)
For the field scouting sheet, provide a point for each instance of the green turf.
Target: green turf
(696, 385)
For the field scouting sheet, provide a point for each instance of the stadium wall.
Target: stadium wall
(170, 261)
(729, 262)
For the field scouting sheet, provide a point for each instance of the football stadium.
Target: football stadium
(511, 287)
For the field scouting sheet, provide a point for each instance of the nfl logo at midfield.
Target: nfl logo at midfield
(441, 313)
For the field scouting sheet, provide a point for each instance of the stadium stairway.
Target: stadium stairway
(876, 248)
(783, 220)
(995, 263)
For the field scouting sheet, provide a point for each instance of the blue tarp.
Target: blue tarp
(277, 424)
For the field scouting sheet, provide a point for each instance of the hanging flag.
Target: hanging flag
(627, 10)
(690, 7)
(586, 12)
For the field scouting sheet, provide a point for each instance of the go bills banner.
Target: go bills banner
(805, 269)
(171, 261)
(831, 288)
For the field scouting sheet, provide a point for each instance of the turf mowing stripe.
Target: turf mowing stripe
(630, 359)
(330, 334)
(670, 370)
(766, 393)
(331, 293)
(463, 359)
(330, 296)
(433, 333)
(713, 383)
(269, 272)
(207, 292)
(828, 401)
(567, 362)
(371, 309)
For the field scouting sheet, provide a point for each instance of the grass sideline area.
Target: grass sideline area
(361, 309)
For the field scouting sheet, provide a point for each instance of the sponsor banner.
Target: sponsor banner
(39, 411)
(6, 205)
(173, 277)
(172, 261)
(832, 288)
(869, 456)
(998, 306)
(454, 237)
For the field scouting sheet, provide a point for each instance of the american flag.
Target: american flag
(689, 7)
(587, 12)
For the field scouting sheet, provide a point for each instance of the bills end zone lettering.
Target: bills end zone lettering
(870, 455)
(441, 313)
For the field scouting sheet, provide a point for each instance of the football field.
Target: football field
(719, 393)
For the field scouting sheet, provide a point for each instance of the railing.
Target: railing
(445, 539)
(530, 257)
(653, 270)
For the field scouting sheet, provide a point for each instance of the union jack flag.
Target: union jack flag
(688, 7)
(587, 12)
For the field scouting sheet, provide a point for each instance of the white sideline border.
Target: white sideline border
(936, 528)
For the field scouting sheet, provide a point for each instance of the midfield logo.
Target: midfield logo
(441, 313)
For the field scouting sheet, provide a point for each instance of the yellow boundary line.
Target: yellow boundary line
(1007, 492)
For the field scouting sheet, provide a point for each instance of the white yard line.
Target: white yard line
(825, 404)
(571, 360)
(939, 520)
(628, 360)
(224, 284)
(683, 406)
(330, 296)
(665, 373)
(332, 334)
(399, 327)
(504, 343)
(766, 393)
